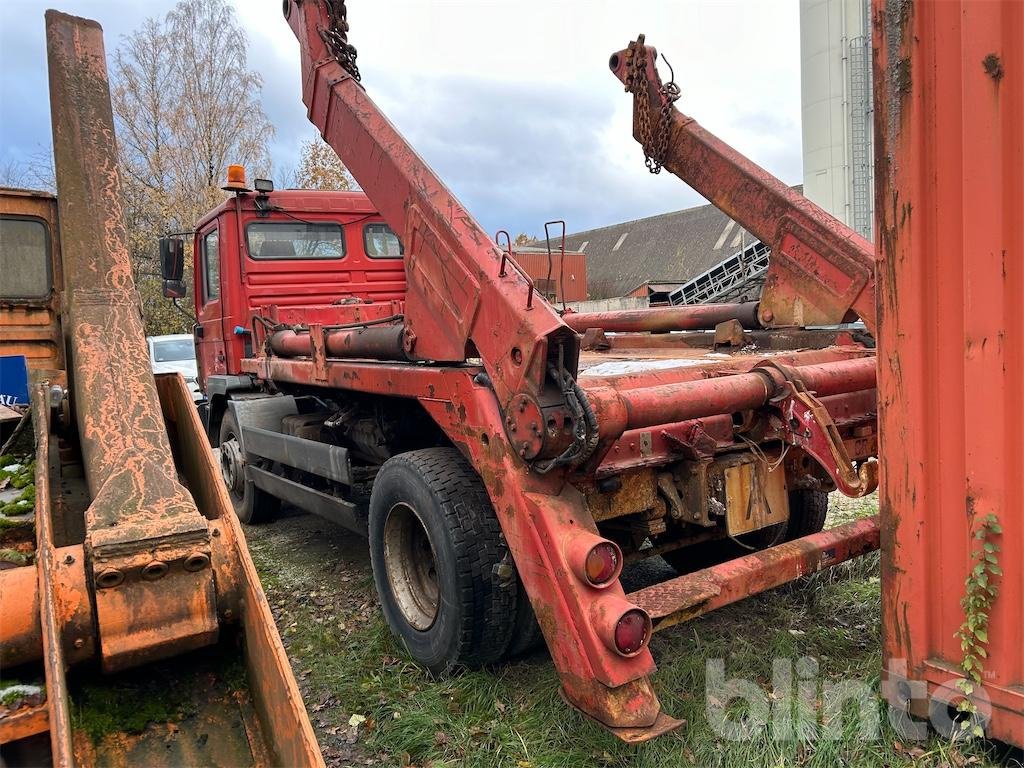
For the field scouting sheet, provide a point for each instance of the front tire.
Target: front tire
(435, 547)
(252, 506)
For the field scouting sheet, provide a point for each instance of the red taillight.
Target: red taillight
(594, 559)
(602, 563)
(632, 631)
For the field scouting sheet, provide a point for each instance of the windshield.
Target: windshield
(294, 240)
(173, 350)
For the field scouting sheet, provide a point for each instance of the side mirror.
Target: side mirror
(172, 267)
(174, 289)
(172, 258)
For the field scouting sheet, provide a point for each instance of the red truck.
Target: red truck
(517, 457)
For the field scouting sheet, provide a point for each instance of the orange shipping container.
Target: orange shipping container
(949, 119)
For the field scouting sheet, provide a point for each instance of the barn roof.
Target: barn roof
(680, 244)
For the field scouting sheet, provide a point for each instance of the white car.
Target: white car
(176, 354)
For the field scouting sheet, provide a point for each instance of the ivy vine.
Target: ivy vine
(980, 591)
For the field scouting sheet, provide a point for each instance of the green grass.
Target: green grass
(512, 715)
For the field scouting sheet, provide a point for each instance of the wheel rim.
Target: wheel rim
(231, 466)
(411, 567)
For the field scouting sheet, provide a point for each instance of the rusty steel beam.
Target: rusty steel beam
(275, 694)
(662, 319)
(141, 523)
(375, 343)
(51, 621)
(820, 268)
(695, 594)
(685, 400)
(462, 293)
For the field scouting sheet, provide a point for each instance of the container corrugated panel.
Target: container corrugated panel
(949, 118)
(572, 278)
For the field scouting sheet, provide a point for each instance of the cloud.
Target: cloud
(510, 101)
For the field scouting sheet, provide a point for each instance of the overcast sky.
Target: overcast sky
(510, 101)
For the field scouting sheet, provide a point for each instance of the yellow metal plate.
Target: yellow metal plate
(755, 498)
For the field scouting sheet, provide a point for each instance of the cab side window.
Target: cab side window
(211, 265)
(381, 243)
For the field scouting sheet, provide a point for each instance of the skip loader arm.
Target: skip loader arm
(465, 298)
(821, 270)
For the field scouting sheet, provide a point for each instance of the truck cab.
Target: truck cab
(260, 252)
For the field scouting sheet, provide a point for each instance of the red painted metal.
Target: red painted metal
(949, 127)
(687, 597)
(686, 400)
(659, 319)
(455, 296)
(378, 342)
(247, 285)
(820, 268)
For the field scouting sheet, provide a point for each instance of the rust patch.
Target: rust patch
(993, 67)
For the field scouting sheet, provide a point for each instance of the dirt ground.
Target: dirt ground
(315, 571)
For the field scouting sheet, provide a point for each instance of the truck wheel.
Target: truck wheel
(434, 547)
(526, 634)
(807, 512)
(252, 506)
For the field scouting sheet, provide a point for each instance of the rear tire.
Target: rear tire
(526, 632)
(807, 512)
(435, 548)
(252, 506)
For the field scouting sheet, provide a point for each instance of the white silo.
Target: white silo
(835, 89)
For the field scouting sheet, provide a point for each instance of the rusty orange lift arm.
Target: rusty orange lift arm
(465, 297)
(821, 270)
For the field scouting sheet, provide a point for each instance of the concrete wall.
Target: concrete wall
(609, 305)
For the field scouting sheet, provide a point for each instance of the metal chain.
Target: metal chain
(336, 37)
(655, 147)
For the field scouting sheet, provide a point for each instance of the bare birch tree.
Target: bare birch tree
(186, 106)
